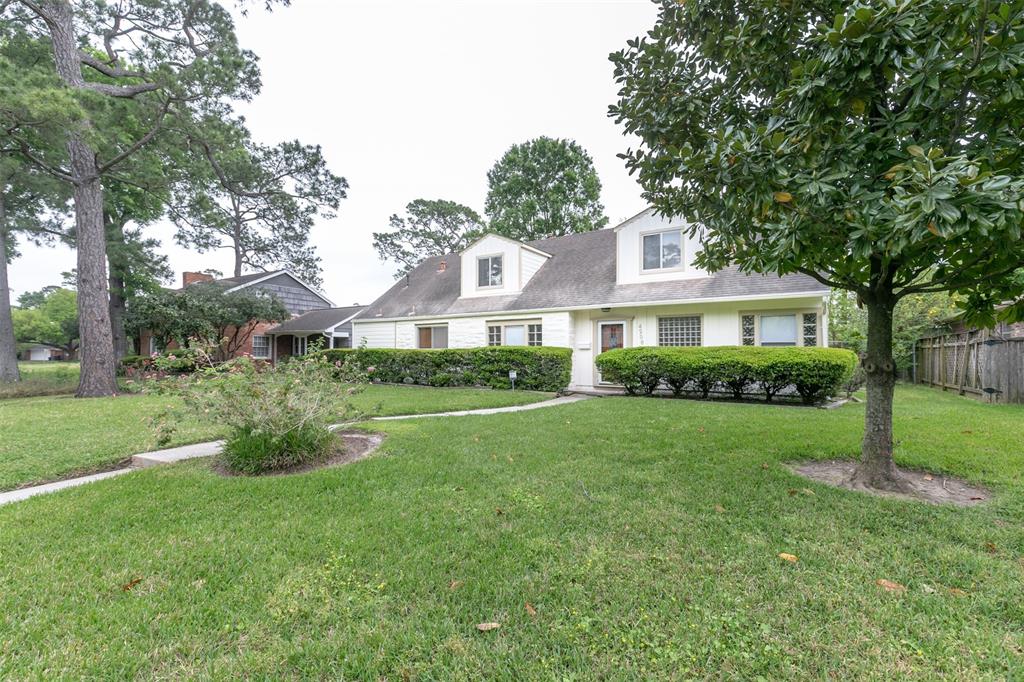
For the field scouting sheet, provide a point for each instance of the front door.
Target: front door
(611, 335)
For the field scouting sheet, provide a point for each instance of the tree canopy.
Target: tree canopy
(204, 314)
(48, 316)
(258, 201)
(178, 59)
(544, 188)
(428, 228)
(876, 148)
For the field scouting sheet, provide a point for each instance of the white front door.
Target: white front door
(611, 334)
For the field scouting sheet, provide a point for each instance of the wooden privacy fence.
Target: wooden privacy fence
(976, 362)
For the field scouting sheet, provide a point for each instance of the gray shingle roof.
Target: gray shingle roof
(317, 320)
(580, 273)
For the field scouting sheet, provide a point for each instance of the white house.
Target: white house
(631, 285)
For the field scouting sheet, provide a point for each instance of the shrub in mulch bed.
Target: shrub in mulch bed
(739, 371)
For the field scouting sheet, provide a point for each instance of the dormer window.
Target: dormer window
(488, 271)
(663, 250)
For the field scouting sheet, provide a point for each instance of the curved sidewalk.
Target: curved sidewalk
(172, 455)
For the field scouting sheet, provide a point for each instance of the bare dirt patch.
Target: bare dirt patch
(352, 447)
(924, 486)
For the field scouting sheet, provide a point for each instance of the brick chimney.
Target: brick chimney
(188, 278)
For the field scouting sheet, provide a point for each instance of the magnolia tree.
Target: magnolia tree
(876, 148)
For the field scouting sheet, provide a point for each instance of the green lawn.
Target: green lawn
(42, 378)
(385, 400)
(644, 533)
(53, 437)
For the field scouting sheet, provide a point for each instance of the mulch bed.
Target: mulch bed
(924, 486)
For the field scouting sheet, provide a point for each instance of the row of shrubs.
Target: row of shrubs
(538, 368)
(740, 371)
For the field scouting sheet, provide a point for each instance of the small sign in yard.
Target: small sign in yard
(512, 377)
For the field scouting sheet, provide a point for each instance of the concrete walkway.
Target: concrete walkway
(171, 455)
(554, 402)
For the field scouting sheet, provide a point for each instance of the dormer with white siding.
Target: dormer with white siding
(650, 248)
(498, 266)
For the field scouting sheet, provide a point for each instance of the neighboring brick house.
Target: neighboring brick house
(298, 298)
(326, 328)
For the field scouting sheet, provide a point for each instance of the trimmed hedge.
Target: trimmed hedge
(738, 370)
(539, 368)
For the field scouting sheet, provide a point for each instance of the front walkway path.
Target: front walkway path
(171, 455)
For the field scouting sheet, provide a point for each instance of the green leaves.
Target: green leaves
(546, 188)
(861, 136)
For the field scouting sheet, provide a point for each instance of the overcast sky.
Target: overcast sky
(417, 99)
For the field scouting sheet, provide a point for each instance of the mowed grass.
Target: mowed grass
(384, 400)
(644, 534)
(53, 437)
(42, 378)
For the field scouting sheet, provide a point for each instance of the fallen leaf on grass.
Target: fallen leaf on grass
(957, 591)
(530, 610)
(890, 586)
(764, 465)
(808, 491)
(498, 511)
(487, 627)
(990, 547)
(127, 587)
(455, 584)
(720, 509)
(788, 557)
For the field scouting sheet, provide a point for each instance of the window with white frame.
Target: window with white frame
(515, 333)
(663, 250)
(534, 335)
(299, 345)
(494, 335)
(435, 336)
(489, 271)
(261, 347)
(779, 329)
(684, 330)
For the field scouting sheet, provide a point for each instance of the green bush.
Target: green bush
(538, 368)
(275, 417)
(739, 370)
(253, 451)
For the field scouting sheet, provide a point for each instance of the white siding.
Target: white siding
(519, 264)
(629, 253)
(467, 332)
(531, 263)
(373, 334)
(405, 335)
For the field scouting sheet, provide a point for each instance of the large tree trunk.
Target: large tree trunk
(96, 350)
(876, 469)
(8, 344)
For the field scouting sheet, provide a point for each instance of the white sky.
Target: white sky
(417, 99)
